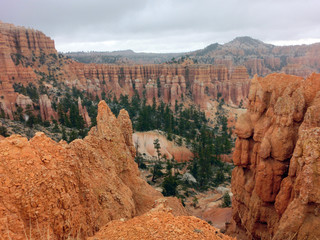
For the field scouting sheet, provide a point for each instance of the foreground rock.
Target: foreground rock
(58, 191)
(160, 223)
(275, 183)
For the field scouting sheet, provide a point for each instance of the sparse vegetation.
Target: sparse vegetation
(30, 90)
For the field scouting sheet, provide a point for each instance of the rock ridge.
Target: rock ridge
(61, 190)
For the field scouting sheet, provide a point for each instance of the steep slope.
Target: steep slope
(274, 184)
(55, 190)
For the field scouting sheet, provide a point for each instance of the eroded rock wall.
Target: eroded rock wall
(276, 158)
(170, 83)
(28, 56)
(19, 47)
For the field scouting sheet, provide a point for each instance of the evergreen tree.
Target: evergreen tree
(159, 87)
(219, 178)
(2, 113)
(73, 135)
(64, 134)
(156, 144)
(124, 101)
(138, 158)
(226, 200)
(18, 115)
(169, 186)
(157, 165)
(55, 127)
(75, 119)
(3, 131)
(31, 120)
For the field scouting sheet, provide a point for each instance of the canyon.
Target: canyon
(57, 190)
(92, 186)
(29, 57)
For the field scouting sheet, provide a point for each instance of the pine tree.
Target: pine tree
(3, 131)
(169, 186)
(64, 135)
(156, 144)
(157, 165)
(226, 200)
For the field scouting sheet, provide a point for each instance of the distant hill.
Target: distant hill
(125, 56)
(261, 58)
(258, 57)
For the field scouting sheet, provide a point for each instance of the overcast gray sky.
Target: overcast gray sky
(164, 25)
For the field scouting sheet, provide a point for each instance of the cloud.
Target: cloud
(163, 25)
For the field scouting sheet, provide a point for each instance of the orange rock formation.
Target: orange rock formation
(275, 182)
(26, 56)
(19, 47)
(169, 82)
(160, 223)
(55, 190)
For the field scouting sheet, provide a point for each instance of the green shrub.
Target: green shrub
(226, 200)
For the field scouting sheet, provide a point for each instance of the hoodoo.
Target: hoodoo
(29, 57)
(275, 182)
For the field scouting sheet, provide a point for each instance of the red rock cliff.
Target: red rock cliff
(28, 56)
(275, 182)
(55, 190)
(168, 82)
(21, 50)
